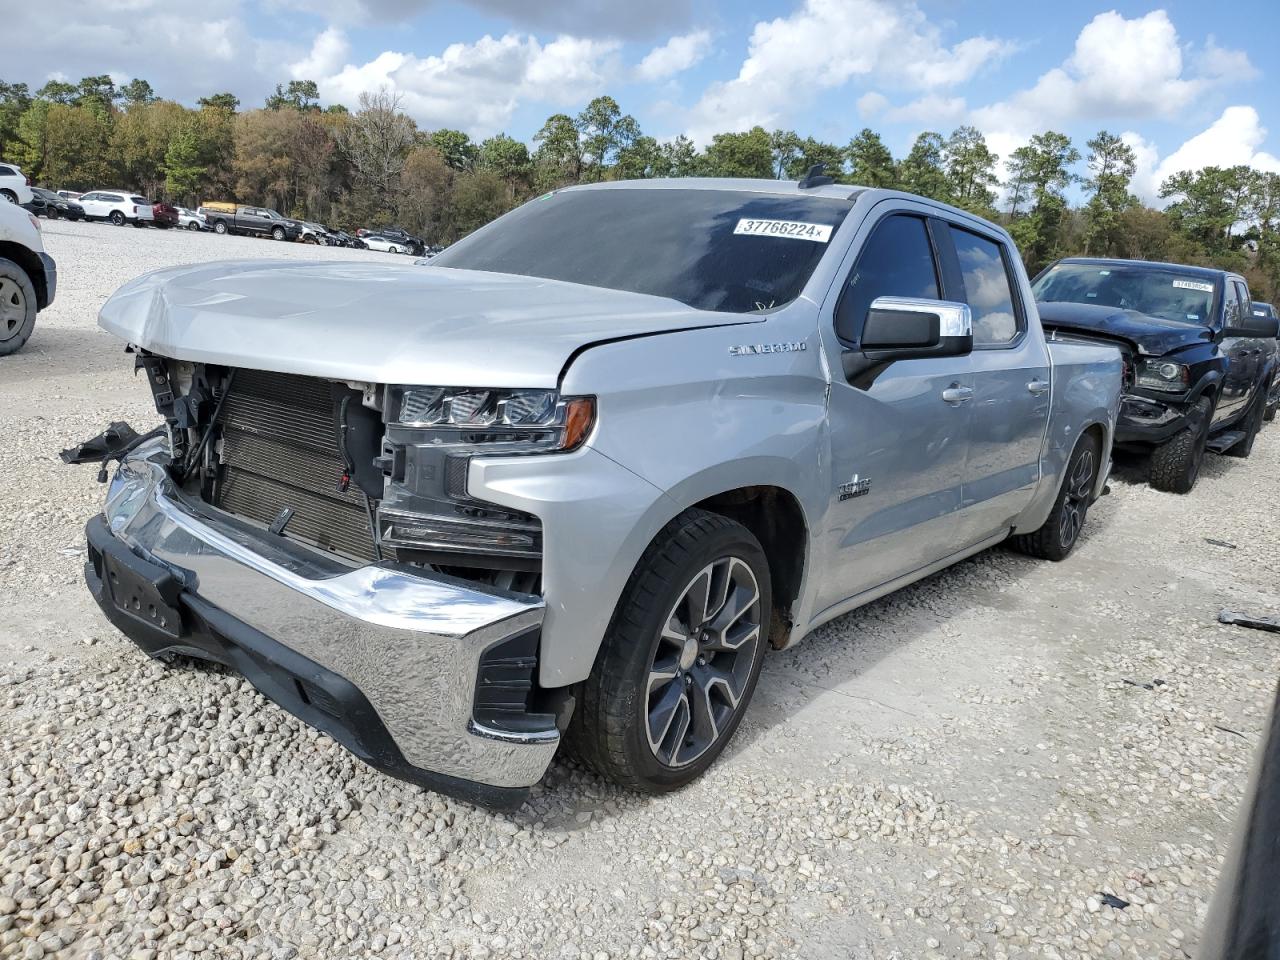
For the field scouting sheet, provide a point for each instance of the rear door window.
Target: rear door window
(896, 261)
(988, 288)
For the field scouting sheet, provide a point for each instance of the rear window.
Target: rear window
(1158, 292)
(141, 200)
(725, 250)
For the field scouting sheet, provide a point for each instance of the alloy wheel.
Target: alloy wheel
(1079, 488)
(703, 661)
(13, 309)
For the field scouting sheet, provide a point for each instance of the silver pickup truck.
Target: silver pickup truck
(575, 477)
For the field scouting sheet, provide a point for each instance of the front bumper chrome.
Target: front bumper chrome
(409, 641)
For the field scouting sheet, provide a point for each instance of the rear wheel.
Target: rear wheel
(17, 307)
(1057, 537)
(220, 226)
(1252, 423)
(1175, 464)
(117, 218)
(681, 658)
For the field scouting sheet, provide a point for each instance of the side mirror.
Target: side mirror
(1254, 326)
(905, 328)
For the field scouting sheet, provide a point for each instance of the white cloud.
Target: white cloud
(871, 103)
(826, 43)
(1231, 140)
(1119, 68)
(478, 86)
(328, 53)
(675, 56)
(929, 109)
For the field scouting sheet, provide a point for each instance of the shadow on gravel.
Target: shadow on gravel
(853, 644)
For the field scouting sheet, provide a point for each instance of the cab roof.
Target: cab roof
(1206, 273)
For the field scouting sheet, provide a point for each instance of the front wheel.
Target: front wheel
(8, 196)
(193, 225)
(1175, 464)
(1058, 535)
(278, 233)
(681, 657)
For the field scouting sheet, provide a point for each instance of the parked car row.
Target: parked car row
(122, 206)
(594, 490)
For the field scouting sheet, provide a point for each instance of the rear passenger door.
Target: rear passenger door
(1010, 365)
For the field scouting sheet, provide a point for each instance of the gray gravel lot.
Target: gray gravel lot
(960, 769)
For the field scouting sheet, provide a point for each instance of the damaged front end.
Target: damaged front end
(317, 536)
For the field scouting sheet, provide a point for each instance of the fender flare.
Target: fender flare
(1210, 381)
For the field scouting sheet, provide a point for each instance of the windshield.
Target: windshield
(711, 249)
(1155, 291)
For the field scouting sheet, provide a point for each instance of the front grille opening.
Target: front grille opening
(280, 449)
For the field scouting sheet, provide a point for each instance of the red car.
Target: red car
(165, 214)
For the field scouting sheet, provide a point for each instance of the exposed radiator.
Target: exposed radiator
(280, 449)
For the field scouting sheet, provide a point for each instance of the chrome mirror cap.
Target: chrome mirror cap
(954, 319)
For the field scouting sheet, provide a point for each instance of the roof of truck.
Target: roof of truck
(1208, 273)
(837, 191)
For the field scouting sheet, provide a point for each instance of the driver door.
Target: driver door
(899, 441)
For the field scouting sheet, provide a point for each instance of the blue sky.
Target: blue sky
(1187, 83)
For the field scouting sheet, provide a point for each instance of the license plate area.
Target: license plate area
(150, 598)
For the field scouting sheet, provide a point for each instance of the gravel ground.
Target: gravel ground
(962, 769)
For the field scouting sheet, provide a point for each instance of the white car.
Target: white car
(190, 220)
(375, 242)
(118, 206)
(15, 186)
(28, 276)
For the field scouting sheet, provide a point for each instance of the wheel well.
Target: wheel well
(29, 262)
(774, 516)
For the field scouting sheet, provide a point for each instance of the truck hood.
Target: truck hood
(384, 323)
(1150, 336)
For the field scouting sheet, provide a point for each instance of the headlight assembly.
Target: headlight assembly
(1163, 375)
(525, 420)
(433, 433)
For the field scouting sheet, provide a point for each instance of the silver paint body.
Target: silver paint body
(682, 417)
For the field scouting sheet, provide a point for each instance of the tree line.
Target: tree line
(374, 166)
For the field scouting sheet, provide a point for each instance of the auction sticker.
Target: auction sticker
(1193, 285)
(795, 229)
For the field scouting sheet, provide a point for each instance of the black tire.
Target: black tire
(9, 196)
(1270, 413)
(220, 227)
(610, 729)
(117, 218)
(277, 233)
(17, 307)
(1058, 535)
(1252, 424)
(1175, 464)
(193, 225)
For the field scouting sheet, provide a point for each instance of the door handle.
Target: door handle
(1038, 386)
(956, 394)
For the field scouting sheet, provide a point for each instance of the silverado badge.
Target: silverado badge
(857, 487)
